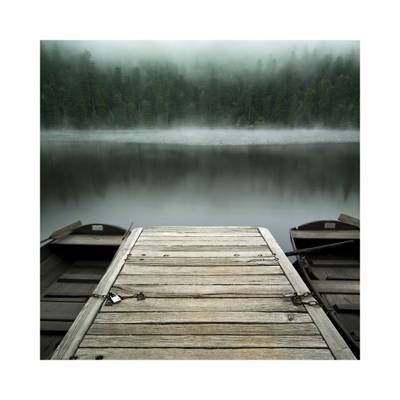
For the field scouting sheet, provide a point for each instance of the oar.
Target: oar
(63, 231)
(316, 248)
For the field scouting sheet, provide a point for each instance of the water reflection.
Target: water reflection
(277, 186)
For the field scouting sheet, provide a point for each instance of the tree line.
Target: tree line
(305, 90)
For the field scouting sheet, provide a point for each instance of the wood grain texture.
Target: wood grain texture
(332, 286)
(194, 241)
(351, 299)
(200, 254)
(194, 234)
(233, 304)
(202, 341)
(205, 354)
(204, 290)
(334, 273)
(236, 248)
(138, 269)
(349, 220)
(204, 329)
(202, 228)
(167, 317)
(90, 240)
(201, 280)
(336, 343)
(203, 261)
(54, 326)
(326, 234)
(62, 311)
(70, 289)
(65, 230)
(78, 329)
(328, 261)
(210, 293)
(82, 277)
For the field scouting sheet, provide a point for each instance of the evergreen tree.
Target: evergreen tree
(307, 90)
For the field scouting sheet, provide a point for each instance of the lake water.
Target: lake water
(272, 178)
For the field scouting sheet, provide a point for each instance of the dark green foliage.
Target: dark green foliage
(305, 91)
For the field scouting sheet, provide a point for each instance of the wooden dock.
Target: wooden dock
(201, 293)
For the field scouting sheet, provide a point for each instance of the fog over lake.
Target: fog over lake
(193, 176)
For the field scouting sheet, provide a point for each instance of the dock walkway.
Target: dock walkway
(201, 293)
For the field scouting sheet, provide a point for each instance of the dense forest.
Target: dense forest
(306, 90)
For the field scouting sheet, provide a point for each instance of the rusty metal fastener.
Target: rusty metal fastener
(297, 299)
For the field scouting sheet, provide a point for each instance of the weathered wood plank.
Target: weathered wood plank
(199, 254)
(201, 280)
(117, 263)
(90, 240)
(77, 331)
(205, 354)
(191, 241)
(132, 269)
(335, 273)
(203, 341)
(65, 230)
(167, 317)
(54, 326)
(83, 277)
(232, 304)
(193, 234)
(202, 248)
(344, 262)
(201, 228)
(50, 270)
(238, 306)
(63, 311)
(204, 290)
(347, 219)
(70, 289)
(332, 286)
(326, 234)
(203, 261)
(336, 343)
(307, 328)
(351, 299)
(95, 264)
(65, 299)
(78, 269)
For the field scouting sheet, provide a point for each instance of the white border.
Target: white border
(24, 23)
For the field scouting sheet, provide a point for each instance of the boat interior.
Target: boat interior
(332, 273)
(72, 262)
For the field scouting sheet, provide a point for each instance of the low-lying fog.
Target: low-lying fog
(206, 136)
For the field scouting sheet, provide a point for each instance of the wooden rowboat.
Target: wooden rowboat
(72, 261)
(328, 260)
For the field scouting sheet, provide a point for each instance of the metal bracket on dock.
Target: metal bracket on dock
(298, 299)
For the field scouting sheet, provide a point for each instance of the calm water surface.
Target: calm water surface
(276, 179)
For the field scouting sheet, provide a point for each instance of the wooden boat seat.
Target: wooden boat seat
(317, 261)
(60, 311)
(336, 286)
(326, 234)
(90, 240)
(335, 273)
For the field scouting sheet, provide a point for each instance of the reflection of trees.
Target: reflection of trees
(71, 170)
